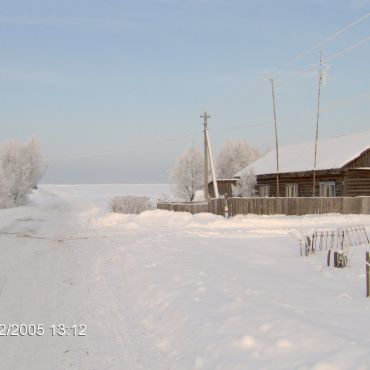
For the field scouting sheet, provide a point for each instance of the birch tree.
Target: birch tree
(21, 168)
(187, 175)
(234, 156)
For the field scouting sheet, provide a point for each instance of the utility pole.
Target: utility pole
(276, 138)
(367, 274)
(205, 117)
(208, 155)
(317, 125)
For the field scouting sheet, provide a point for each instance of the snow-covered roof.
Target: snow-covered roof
(332, 153)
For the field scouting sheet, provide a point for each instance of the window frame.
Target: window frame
(266, 187)
(331, 185)
(290, 186)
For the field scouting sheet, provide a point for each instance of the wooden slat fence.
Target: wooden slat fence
(217, 206)
(272, 206)
(298, 206)
(184, 207)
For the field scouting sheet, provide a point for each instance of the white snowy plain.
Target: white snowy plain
(172, 291)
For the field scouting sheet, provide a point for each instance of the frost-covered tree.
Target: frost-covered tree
(130, 204)
(21, 168)
(233, 157)
(187, 175)
(246, 184)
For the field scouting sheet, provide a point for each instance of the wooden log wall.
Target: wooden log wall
(356, 182)
(304, 181)
(224, 187)
(362, 161)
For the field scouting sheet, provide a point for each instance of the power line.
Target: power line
(303, 114)
(338, 54)
(288, 119)
(323, 42)
(64, 156)
(115, 151)
(241, 127)
(347, 49)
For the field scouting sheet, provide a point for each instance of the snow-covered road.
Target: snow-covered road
(54, 271)
(165, 291)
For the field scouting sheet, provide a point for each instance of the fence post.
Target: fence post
(367, 274)
(226, 206)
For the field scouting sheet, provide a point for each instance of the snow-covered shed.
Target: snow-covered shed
(342, 169)
(224, 187)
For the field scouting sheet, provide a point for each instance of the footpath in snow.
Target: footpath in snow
(172, 291)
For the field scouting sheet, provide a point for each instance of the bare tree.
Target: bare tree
(234, 156)
(187, 175)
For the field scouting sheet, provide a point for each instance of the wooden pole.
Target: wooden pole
(317, 127)
(367, 274)
(205, 117)
(276, 139)
(213, 169)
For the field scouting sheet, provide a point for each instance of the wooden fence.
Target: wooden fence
(184, 207)
(273, 206)
(298, 206)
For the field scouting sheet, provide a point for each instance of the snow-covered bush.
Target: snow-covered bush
(21, 167)
(130, 204)
(199, 196)
(233, 157)
(187, 176)
(246, 185)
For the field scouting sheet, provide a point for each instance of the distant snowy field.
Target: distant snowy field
(173, 291)
(100, 194)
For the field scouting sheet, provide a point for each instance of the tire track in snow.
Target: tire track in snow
(141, 354)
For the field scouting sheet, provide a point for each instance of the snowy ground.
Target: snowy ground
(168, 291)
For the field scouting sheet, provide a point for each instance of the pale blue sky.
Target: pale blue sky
(129, 79)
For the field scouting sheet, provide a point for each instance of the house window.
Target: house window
(264, 190)
(327, 189)
(291, 190)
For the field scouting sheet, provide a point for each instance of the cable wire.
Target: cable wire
(347, 49)
(323, 42)
(287, 120)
